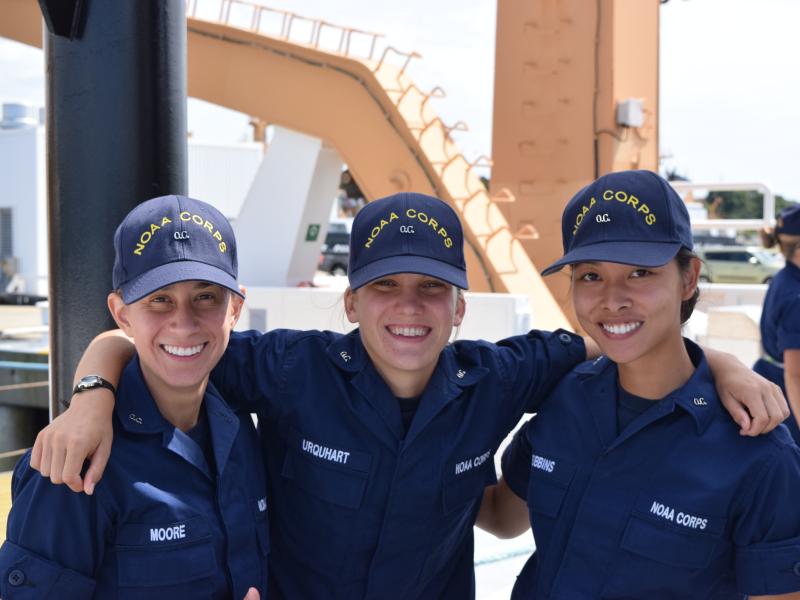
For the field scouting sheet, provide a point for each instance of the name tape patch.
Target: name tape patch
(324, 452)
(681, 518)
(470, 463)
(542, 463)
(167, 534)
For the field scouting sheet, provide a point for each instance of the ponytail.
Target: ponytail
(768, 237)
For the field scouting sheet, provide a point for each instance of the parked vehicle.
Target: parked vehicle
(738, 264)
(336, 249)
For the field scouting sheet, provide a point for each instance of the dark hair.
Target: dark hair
(684, 258)
(768, 237)
(787, 243)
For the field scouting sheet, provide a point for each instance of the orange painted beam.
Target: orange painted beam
(560, 68)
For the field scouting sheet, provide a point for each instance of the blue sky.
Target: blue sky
(730, 78)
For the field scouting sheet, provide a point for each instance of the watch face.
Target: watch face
(87, 383)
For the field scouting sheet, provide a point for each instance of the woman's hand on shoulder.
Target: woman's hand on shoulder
(83, 432)
(756, 404)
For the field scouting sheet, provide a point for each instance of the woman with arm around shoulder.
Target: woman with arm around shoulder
(780, 316)
(636, 483)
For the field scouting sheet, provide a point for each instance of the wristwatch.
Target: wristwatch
(91, 382)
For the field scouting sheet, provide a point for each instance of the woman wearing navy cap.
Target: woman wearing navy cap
(637, 483)
(181, 512)
(780, 317)
(378, 444)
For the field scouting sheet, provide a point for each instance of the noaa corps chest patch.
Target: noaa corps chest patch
(472, 462)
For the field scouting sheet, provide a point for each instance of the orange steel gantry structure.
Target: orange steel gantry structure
(561, 67)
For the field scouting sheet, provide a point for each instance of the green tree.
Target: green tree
(740, 205)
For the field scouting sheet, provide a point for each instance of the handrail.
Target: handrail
(344, 48)
(287, 20)
(767, 210)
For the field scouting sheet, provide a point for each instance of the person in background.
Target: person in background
(181, 512)
(780, 317)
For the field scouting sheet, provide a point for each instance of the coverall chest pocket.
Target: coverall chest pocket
(319, 505)
(680, 538)
(331, 472)
(465, 479)
(548, 484)
(663, 545)
(161, 559)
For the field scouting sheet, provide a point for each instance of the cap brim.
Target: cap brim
(640, 254)
(175, 272)
(408, 264)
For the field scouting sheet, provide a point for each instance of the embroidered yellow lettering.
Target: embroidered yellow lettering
(378, 228)
(415, 215)
(584, 209)
(187, 217)
(147, 235)
(620, 196)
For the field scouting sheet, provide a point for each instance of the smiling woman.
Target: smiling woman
(186, 482)
(405, 320)
(637, 484)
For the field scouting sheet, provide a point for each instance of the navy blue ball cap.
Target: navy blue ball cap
(170, 239)
(789, 221)
(407, 233)
(629, 217)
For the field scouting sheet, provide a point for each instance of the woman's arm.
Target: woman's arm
(792, 596)
(504, 509)
(791, 379)
(755, 403)
(84, 430)
(502, 512)
(56, 540)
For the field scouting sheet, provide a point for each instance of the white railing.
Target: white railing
(767, 210)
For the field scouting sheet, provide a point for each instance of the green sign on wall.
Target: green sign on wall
(312, 233)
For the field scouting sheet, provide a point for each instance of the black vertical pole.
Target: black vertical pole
(116, 135)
